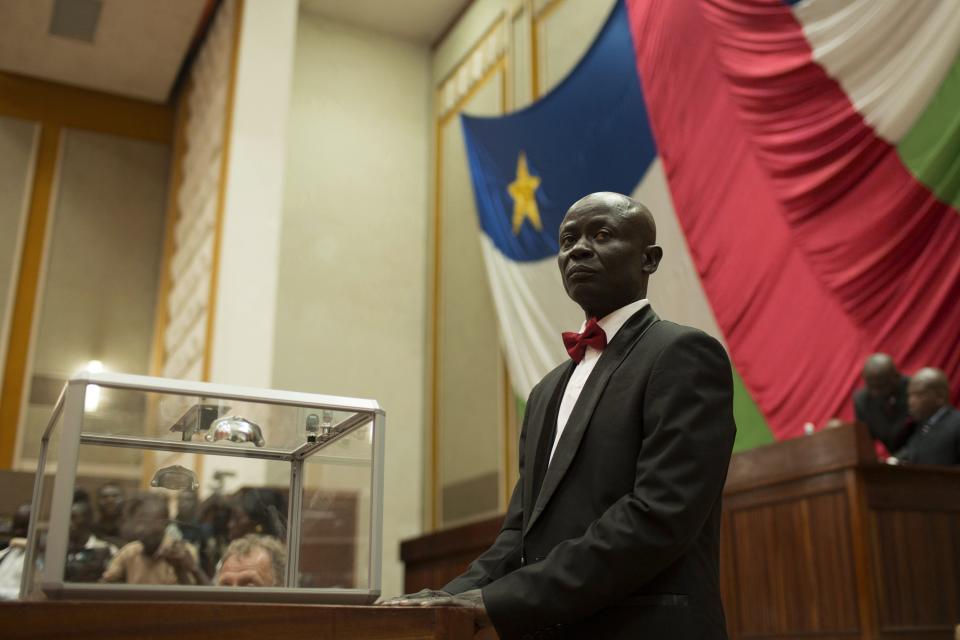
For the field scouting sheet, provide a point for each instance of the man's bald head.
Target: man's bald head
(927, 392)
(881, 376)
(932, 379)
(625, 206)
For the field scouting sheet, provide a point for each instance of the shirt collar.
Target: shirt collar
(613, 321)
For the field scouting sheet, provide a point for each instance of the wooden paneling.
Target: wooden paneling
(917, 555)
(828, 450)
(459, 399)
(70, 107)
(25, 296)
(56, 107)
(229, 621)
(793, 565)
(434, 559)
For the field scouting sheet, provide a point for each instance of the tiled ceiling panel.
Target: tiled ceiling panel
(132, 48)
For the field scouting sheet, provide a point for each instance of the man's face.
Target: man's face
(81, 524)
(602, 257)
(149, 523)
(252, 570)
(923, 399)
(21, 521)
(109, 501)
(881, 384)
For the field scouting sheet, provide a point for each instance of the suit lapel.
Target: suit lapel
(541, 414)
(627, 337)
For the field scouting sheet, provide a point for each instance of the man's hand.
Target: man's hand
(183, 563)
(416, 599)
(472, 599)
(177, 555)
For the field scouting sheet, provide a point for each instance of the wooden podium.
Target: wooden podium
(228, 621)
(819, 540)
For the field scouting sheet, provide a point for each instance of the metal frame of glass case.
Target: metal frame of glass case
(70, 407)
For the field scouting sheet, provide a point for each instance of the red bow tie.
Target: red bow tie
(577, 343)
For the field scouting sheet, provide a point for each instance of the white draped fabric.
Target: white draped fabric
(889, 56)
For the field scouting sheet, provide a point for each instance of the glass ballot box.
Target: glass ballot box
(230, 493)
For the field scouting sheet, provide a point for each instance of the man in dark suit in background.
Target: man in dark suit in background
(936, 439)
(613, 528)
(881, 403)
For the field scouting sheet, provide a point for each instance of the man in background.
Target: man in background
(881, 403)
(87, 554)
(12, 558)
(936, 439)
(188, 527)
(109, 514)
(152, 558)
(253, 561)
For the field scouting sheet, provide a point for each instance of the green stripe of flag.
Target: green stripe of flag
(752, 429)
(931, 149)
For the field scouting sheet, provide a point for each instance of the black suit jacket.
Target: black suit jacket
(935, 441)
(887, 421)
(622, 540)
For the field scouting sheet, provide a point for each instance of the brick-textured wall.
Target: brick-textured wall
(197, 198)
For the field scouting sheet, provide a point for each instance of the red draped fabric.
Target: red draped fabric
(815, 245)
(878, 239)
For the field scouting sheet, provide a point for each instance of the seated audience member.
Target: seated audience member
(258, 510)
(152, 558)
(882, 403)
(253, 561)
(188, 527)
(215, 515)
(109, 514)
(936, 440)
(87, 555)
(11, 558)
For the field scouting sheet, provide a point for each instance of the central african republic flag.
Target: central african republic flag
(803, 163)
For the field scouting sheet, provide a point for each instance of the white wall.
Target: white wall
(351, 294)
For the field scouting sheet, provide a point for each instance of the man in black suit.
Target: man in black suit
(881, 403)
(936, 440)
(613, 528)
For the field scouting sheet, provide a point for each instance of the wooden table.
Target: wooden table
(228, 621)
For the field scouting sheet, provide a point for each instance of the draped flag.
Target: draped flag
(802, 160)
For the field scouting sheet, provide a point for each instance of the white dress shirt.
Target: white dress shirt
(610, 324)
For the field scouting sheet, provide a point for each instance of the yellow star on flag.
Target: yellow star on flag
(523, 191)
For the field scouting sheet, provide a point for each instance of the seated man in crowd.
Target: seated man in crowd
(109, 514)
(87, 554)
(882, 403)
(188, 527)
(11, 558)
(253, 561)
(152, 558)
(936, 440)
(258, 510)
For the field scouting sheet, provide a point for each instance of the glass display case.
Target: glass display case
(244, 494)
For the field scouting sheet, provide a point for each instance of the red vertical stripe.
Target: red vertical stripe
(797, 349)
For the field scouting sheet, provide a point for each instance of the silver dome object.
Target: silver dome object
(235, 429)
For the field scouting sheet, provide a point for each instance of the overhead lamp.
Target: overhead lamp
(91, 401)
